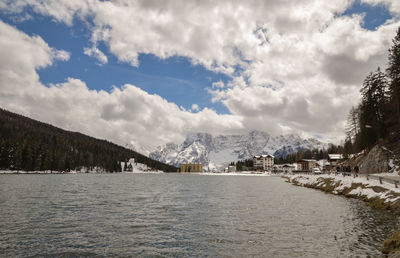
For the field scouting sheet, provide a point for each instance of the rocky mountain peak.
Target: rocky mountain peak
(216, 152)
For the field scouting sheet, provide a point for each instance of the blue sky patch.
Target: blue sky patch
(176, 79)
(374, 15)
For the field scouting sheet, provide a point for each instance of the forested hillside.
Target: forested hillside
(27, 144)
(376, 119)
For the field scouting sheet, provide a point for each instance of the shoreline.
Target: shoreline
(249, 173)
(11, 172)
(382, 196)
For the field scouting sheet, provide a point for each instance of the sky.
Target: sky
(148, 72)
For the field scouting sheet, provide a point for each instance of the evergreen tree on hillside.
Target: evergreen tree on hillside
(26, 144)
(393, 71)
(377, 117)
(348, 147)
(352, 126)
(373, 108)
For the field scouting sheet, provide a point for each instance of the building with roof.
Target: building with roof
(131, 165)
(307, 165)
(263, 162)
(288, 168)
(277, 168)
(334, 159)
(191, 168)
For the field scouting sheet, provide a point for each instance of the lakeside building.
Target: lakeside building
(307, 165)
(334, 159)
(131, 165)
(277, 168)
(263, 162)
(288, 169)
(191, 168)
(325, 165)
(285, 168)
(230, 169)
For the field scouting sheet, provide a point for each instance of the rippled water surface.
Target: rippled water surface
(182, 215)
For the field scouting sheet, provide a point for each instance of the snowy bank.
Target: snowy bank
(234, 174)
(384, 196)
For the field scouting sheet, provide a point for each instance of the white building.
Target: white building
(285, 168)
(263, 162)
(133, 166)
(307, 164)
(288, 169)
(334, 158)
(231, 168)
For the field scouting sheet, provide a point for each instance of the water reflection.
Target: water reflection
(182, 215)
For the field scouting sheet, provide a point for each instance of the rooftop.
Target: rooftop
(264, 156)
(335, 156)
(307, 160)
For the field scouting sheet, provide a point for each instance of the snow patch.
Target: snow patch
(343, 183)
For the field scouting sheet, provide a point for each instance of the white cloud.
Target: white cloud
(61, 11)
(218, 84)
(195, 107)
(301, 64)
(126, 114)
(96, 53)
(21, 55)
(217, 36)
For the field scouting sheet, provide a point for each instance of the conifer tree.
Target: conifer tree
(31, 145)
(373, 108)
(393, 71)
(352, 127)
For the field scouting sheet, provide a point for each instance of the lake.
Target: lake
(65, 215)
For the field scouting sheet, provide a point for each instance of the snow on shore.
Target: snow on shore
(78, 172)
(235, 174)
(35, 172)
(358, 187)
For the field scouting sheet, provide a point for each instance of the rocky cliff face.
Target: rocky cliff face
(376, 161)
(216, 152)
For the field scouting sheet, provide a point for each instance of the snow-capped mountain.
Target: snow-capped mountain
(216, 152)
(138, 148)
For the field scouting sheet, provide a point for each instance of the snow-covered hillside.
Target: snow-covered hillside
(216, 152)
(132, 166)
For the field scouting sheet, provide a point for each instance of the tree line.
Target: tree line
(30, 145)
(376, 119)
(241, 164)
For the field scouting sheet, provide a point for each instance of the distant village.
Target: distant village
(266, 164)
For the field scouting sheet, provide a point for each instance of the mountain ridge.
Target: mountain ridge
(30, 145)
(216, 152)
